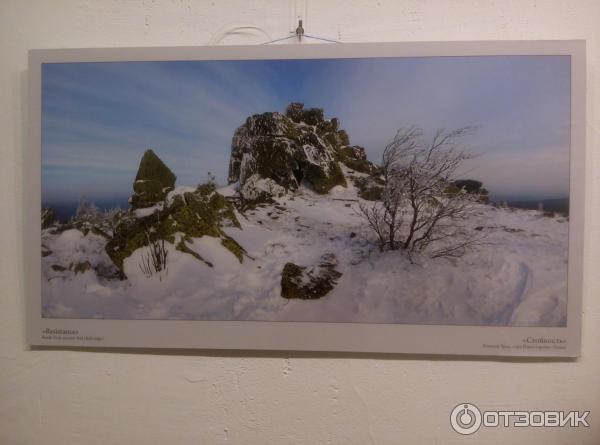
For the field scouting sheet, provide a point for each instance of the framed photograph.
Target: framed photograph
(382, 197)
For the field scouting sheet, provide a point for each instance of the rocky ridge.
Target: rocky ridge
(274, 153)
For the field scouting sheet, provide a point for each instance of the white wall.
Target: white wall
(68, 397)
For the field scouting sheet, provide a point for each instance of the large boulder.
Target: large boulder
(309, 282)
(152, 182)
(272, 153)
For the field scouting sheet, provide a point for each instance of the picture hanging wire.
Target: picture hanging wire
(238, 29)
(247, 29)
(300, 34)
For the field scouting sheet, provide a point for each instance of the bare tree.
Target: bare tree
(420, 207)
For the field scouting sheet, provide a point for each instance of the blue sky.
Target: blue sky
(98, 118)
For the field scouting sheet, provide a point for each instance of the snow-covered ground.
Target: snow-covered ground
(518, 277)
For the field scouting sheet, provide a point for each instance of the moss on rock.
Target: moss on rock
(203, 212)
(81, 267)
(232, 245)
(359, 165)
(355, 158)
(183, 247)
(323, 181)
(273, 160)
(369, 188)
(313, 116)
(300, 145)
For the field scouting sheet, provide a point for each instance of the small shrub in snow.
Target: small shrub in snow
(87, 209)
(155, 261)
(418, 210)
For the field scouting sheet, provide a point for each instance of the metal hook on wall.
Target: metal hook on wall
(299, 34)
(299, 31)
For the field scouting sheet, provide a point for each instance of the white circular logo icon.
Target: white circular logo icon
(465, 418)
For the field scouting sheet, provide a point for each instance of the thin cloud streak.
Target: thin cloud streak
(99, 117)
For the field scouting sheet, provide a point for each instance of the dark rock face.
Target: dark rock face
(308, 283)
(472, 187)
(355, 158)
(82, 267)
(152, 182)
(272, 153)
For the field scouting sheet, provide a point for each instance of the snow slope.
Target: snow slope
(517, 278)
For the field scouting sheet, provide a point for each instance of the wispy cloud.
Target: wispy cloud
(103, 115)
(99, 117)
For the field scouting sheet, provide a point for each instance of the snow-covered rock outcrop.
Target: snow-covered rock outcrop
(272, 153)
(175, 215)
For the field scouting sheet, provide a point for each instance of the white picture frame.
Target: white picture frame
(306, 335)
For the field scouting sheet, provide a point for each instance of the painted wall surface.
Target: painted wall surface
(70, 397)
